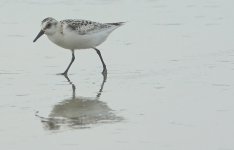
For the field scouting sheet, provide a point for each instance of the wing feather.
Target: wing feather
(83, 27)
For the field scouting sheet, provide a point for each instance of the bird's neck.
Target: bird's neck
(57, 36)
(59, 28)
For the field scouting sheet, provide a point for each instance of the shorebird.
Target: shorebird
(75, 34)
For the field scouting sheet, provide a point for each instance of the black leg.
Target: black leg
(103, 63)
(68, 67)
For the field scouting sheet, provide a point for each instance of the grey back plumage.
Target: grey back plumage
(83, 27)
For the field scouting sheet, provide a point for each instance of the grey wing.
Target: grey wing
(83, 27)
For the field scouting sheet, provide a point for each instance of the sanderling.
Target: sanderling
(77, 34)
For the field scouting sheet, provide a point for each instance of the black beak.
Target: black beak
(39, 35)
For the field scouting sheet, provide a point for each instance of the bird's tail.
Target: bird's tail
(117, 23)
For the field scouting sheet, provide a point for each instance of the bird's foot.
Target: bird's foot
(64, 74)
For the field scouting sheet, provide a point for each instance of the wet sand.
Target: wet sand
(170, 78)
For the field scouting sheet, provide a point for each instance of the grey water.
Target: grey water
(169, 85)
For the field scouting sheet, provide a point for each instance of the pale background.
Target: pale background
(170, 82)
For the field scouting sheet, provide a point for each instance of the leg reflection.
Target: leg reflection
(79, 111)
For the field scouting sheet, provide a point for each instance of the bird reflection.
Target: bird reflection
(79, 112)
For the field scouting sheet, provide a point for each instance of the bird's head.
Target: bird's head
(48, 27)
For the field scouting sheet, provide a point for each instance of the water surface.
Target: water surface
(169, 86)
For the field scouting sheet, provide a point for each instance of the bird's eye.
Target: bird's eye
(48, 25)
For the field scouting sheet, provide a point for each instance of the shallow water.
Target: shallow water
(169, 86)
